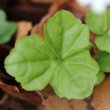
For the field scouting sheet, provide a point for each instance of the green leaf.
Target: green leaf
(76, 77)
(100, 25)
(62, 59)
(103, 43)
(103, 60)
(100, 77)
(97, 22)
(7, 29)
(36, 61)
(2, 15)
(64, 38)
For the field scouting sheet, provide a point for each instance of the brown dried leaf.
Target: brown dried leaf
(38, 28)
(79, 105)
(42, 1)
(18, 92)
(55, 103)
(23, 29)
(47, 91)
(101, 96)
(92, 37)
(70, 5)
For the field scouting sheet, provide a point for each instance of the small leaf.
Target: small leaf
(7, 29)
(100, 25)
(103, 43)
(103, 60)
(58, 59)
(97, 22)
(100, 77)
(2, 15)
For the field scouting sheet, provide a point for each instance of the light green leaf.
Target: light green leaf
(7, 29)
(100, 77)
(66, 37)
(30, 60)
(103, 43)
(76, 77)
(62, 59)
(108, 17)
(100, 25)
(97, 22)
(2, 15)
(103, 60)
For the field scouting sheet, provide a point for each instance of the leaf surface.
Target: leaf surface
(80, 77)
(97, 23)
(2, 15)
(100, 25)
(103, 60)
(58, 59)
(7, 29)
